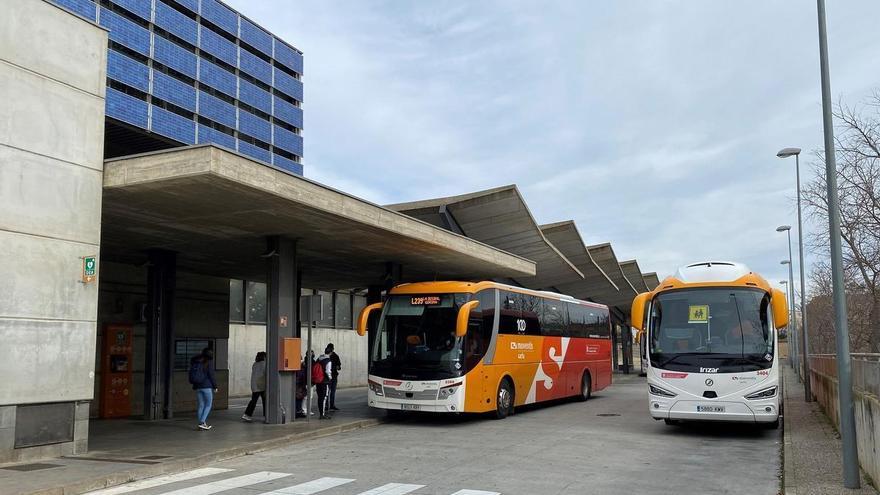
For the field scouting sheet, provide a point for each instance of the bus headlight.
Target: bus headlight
(767, 393)
(448, 391)
(654, 390)
(375, 387)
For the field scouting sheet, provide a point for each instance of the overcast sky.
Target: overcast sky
(653, 124)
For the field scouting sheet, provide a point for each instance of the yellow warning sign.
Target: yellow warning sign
(698, 314)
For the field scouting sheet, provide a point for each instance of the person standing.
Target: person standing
(321, 372)
(336, 365)
(258, 387)
(204, 382)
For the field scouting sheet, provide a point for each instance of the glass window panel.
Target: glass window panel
(256, 302)
(327, 309)
(343, 310)
(236, 300)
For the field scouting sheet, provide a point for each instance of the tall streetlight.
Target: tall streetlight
(844, 365)
(804, 334)
(792, 323)
(791, 356)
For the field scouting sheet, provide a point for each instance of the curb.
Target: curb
(789, 482)
(122, 477)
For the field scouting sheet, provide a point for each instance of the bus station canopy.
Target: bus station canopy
(605, 258)
(596, 286)
(651, 280)
(634, 275)
(216, 208)
(500, 217)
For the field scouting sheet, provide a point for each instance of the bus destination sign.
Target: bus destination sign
(424, 301)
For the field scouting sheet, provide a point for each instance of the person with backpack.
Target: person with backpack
(334, 377)
(258, 387)
(321, 372)
(201, 376)
(301, 389)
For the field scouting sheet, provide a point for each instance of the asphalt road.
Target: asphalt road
(606, 445)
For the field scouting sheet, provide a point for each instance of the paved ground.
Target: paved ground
(813, 459)
(606, 445)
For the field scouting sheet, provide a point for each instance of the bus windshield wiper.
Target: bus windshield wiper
(673, 358)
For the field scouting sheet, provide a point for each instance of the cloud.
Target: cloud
(654, 125)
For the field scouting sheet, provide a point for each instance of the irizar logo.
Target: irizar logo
(520, 346)
(708, 370)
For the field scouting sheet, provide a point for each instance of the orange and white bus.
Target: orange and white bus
(477, 347)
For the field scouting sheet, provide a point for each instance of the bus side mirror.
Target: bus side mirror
(637, 314)
(364, 316)
(464, 314)
(780, 309)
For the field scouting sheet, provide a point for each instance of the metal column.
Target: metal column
(282, 298)
(159, 335)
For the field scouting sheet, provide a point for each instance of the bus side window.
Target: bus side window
(577, 322)
(531, 313)
(554, 318)
(480, 327)
(510, 321)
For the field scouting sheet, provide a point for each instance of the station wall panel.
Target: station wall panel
(216, 109)
(286, 164)
(288, 56)
(139, 8)
(192, 5)
(85, 8)
(221, 15)
(219, 46)
(254, 96)
(174, 56)
(254, 151)
(174, 126)
(288, 113)
(174, 91)
(288, 141)
(128, 70)
(252, 125)
(256, 66)
(126, 32)
(288, 85)
(217, 77)
(126, 108)
(174, 22)
(209, 135)
(256, 37)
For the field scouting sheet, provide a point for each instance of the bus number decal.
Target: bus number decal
(520, 326)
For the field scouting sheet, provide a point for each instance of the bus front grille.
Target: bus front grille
(392, 393)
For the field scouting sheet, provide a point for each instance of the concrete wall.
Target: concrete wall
(823, 371)
(246, 340)
(201, 311)
(52, 77)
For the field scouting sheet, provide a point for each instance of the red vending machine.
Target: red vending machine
(116, 361)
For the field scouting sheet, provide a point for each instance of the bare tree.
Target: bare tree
(858, 175)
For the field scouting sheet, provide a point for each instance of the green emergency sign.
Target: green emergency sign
(89, 268)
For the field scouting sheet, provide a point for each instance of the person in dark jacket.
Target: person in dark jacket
(258, 387)
(336, 365)
(205, 386)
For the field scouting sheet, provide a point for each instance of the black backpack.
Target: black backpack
(197, 373)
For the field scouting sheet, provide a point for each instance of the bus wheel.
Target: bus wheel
(586, 387)
(504, 399)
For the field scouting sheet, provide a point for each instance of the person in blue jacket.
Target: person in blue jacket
(204, 382)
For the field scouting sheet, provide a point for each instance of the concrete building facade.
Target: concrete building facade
(195, 71)
(51, 162)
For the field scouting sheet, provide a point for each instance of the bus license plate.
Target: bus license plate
(713, 409)
(410, 407)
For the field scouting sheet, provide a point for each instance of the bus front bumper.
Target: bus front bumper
(762, 411)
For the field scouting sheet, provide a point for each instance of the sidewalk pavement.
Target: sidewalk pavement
(812, 462)
(125, 450)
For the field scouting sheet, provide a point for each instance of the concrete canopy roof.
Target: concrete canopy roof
(499, 217)
(605, 258)
(596, 286)
(651, 280)
(634, 275)
(215, 208)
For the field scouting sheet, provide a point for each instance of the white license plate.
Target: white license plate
(410, 407)
(714, 409)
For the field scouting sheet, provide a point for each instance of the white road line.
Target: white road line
(308, 488)
(475, 492)
(392, 489)
(159, 481)
(228, 484)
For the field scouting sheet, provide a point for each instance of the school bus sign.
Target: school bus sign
(89, 268)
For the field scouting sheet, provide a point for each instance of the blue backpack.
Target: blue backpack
(197, 373)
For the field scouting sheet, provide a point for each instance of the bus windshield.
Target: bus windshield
(416, 338)
(722, 329)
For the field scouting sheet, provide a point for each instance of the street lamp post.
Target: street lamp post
(804, 334)
(844, 364)
(791, 313)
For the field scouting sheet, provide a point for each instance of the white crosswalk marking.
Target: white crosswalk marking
(159, 481)
(475, 492)
(228, 484)
(392, 489)
(318, 485)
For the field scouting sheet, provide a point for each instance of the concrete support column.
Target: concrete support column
(283, 314)
(159, 356)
